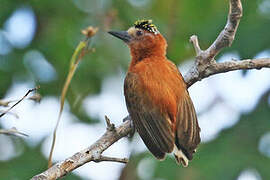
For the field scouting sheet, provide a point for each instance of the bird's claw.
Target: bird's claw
(128, 118)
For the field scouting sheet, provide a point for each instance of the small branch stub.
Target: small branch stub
(194, 40)
(112, 159)
(110, 126)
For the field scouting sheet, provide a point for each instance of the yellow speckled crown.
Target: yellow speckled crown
(146, 25)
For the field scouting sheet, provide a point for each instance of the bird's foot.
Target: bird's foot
(128, 118)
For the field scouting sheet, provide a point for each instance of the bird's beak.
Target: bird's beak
(123, 35)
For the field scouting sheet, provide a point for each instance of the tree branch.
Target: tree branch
(204, 59)
(205, 66)
(92, 153)
(28, 92)
(227, 35)
(112, 159)
(216, 68)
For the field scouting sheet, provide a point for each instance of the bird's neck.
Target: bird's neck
(139, 55)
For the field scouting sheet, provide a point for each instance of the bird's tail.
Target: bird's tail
(180, 157)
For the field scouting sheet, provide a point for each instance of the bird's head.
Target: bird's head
(143, 39)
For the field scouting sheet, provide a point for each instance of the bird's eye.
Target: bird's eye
(139, 33)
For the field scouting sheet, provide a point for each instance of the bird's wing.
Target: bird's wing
(152, 125)
(187, 127)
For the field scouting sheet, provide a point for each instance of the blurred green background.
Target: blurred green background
(37, 39)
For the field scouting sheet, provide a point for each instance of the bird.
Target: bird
(156, 95)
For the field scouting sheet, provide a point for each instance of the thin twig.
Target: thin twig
(13, 131)
(111, 159)
(79, 53)
(36, 97)
(29, 91)
(11, 113)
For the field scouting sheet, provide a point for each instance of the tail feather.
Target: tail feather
(180, 157)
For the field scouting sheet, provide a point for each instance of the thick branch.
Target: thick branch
(206, 58)
(92, 153)
(205, 66)
(213, 68)
(227, 35)
(217, 68)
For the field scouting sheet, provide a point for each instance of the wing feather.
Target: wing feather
(152, 125)
(188, 130)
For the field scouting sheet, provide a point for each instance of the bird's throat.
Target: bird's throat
(138, 55)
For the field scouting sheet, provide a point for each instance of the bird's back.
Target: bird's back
(159, 79)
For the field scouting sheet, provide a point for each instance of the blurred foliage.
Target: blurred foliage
(58, 32)
(27, 164)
